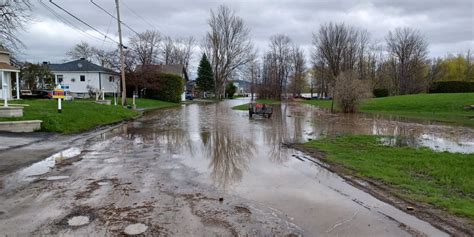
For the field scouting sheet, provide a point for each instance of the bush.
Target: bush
(349, 91)
(380, 92)
(166, 87)
(452, 87)
(230, 90)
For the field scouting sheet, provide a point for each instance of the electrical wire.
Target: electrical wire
(83, 22)
(139, 16)
(113, 16)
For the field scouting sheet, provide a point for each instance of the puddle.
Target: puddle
(54, 178)
(32, 172)
(78, 221)
(135, 229)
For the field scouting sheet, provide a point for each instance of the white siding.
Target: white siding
(73, 80)
(7, 76)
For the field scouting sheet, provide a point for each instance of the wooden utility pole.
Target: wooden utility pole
(122, 57)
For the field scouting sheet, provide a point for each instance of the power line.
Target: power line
(138, 15)
(70, 24)
(108, 13)
(83, 22)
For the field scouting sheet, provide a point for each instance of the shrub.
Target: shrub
(349, 91)
(380, 92)
(166, 87)
(230, 90)
(452, 87)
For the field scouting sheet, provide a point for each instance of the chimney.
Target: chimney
(82, 58)
(45, 63)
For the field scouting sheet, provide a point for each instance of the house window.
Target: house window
(83, 78)
(60, 78)
(111, 78)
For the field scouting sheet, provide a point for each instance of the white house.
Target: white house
(8, 73)
(81, 75)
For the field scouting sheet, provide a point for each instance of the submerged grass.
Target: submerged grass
(246, 106)
(448, 107)
(442, 179)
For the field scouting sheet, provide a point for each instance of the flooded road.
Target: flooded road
(206, 170)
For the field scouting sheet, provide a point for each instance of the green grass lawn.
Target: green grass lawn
(246, 106)
(448, 107)
(143, 103)
(445, 180)
(80, 115)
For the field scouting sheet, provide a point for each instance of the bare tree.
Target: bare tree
(13, 15)
(81, 50)
(337, 46)
(228, 45)
(410, 49)
(178, 51)
(146, 46)
(298, 77)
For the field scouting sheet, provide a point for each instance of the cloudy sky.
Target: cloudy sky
(447, 24)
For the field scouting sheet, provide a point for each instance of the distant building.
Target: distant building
(8, 73)
(81, 75)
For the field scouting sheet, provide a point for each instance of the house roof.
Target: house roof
(176, 69)
(6, 66)
(80, 65)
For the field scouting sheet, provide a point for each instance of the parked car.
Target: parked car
(189, 96)
(42, 94)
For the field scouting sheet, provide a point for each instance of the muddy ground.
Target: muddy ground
(205, 170)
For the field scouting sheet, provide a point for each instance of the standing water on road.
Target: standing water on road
(199, 153)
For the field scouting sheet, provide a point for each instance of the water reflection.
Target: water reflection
(224, 143)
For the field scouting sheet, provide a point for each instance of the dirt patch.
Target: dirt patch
(93, 186)
(242, 210)
(449, 223)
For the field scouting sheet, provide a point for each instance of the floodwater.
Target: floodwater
(177, 164)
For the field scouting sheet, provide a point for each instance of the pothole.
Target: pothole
(80, 216)
(135, 229)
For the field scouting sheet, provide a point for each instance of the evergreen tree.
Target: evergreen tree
(205, 80)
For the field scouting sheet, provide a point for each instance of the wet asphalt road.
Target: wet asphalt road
(170, 169)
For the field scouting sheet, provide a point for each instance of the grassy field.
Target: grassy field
(438, 107)
(79, 115)
(246, 106)
(445, 180)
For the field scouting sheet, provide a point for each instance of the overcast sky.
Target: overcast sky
(448, 25)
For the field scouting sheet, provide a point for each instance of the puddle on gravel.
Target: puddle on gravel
(34, 171)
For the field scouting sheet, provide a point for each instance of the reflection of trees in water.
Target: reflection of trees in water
(277, 134)
(174, 141)
(229, 154)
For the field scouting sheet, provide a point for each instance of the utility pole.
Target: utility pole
(122, 57)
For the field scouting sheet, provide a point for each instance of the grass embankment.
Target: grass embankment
(438, 107)
(246, 106)
(79, 116)
(442, 179)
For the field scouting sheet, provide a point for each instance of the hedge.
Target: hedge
(380, 92)
(168, 87)
(452, 87)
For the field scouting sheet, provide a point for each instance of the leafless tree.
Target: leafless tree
(228, 45)
(178, 51)
(81, 50)
(298, 76)
(410, 49)
(338, 47)
(146, 46)
(13, 15)
(103, 58)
